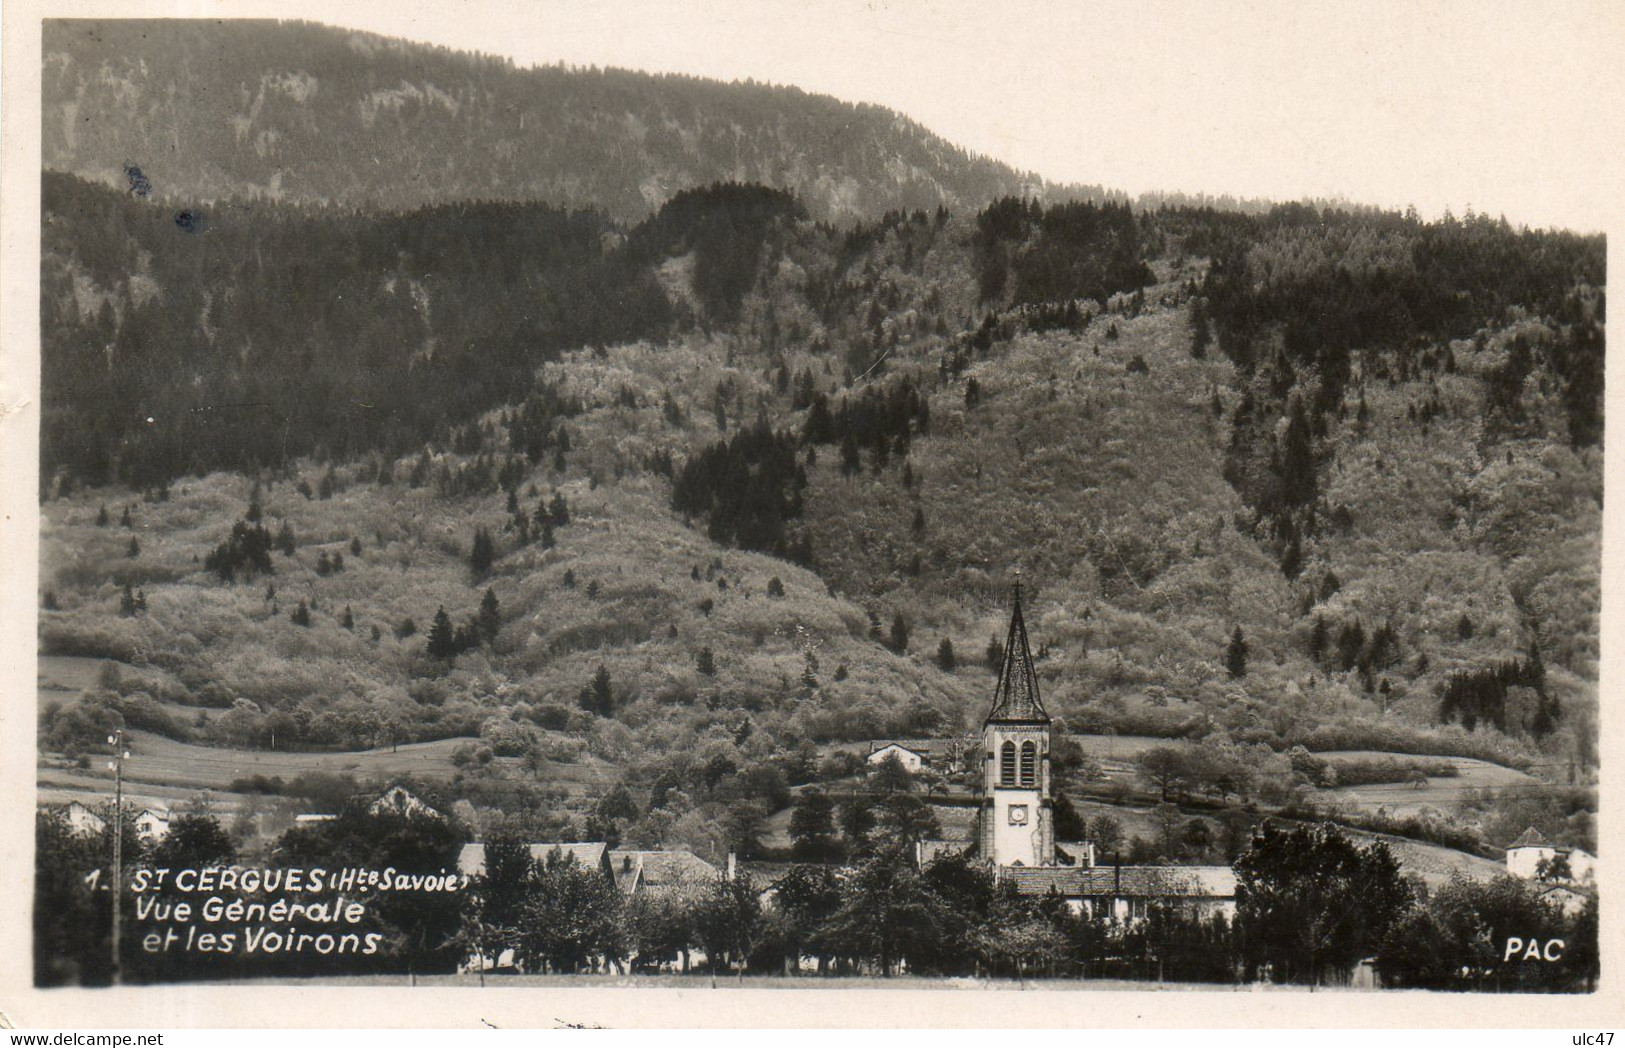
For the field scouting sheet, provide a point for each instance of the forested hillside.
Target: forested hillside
(688, 498)
(313, 114)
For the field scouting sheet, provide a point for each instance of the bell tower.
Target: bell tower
(1016, 821)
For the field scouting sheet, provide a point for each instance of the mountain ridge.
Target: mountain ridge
(299, 111)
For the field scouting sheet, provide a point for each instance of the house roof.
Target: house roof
(1530, 838)
(882, 747)
(764, 875)
(1016, 697)
(659, 869)
(471, 860)
(1205, 882)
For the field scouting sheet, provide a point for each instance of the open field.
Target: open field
(167, 772)
(1403, 798)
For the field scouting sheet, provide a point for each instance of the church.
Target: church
(1015, 822)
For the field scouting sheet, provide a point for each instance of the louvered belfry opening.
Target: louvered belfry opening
(1029, 764)
(1007, 764)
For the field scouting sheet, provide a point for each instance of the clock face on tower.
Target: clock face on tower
(1018, 815)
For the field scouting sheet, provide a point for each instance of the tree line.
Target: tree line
(1310, 905)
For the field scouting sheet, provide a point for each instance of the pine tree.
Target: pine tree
(851, 461)
(1292, 559)
(102, 519)
(1200, 335)
(899, 634)
(945, 655)
(347, 620)
(602, 692)
(558, 512)
(705, 662)
(1235, 655)
(919, 521)
(127, 601)
(134, 549)
(995, 654)
(490, 617)
(775, 588)
(1319, 638)
(483, 554)
(301, 615)
(1297, 459)
(284, 539)
(355, 547)
(442, 639)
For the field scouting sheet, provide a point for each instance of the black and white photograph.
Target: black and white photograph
(823, 497)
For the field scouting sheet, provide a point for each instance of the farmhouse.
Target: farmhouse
(152, 824)
(912, 760)
(1532, 857)
(83, 821)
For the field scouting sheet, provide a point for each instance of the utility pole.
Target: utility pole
(120, 755)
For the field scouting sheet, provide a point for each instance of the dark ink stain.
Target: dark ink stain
(192, 221)
(139, 185)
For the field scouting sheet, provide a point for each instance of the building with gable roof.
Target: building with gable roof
(639, 871)
(83, 821)
(912, 760)
(152, 824)
(1533, 857)
(592, 855)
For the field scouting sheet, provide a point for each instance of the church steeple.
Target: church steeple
(1016, 698)
(1016, 824)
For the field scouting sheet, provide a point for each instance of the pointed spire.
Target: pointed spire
(1016, 698)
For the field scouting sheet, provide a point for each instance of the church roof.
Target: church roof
(1016, 698)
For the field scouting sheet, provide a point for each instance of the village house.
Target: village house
(152, 824)
(1532, 857)
(912, 760)
(633, 872)
(83, 821)
(646, 871)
